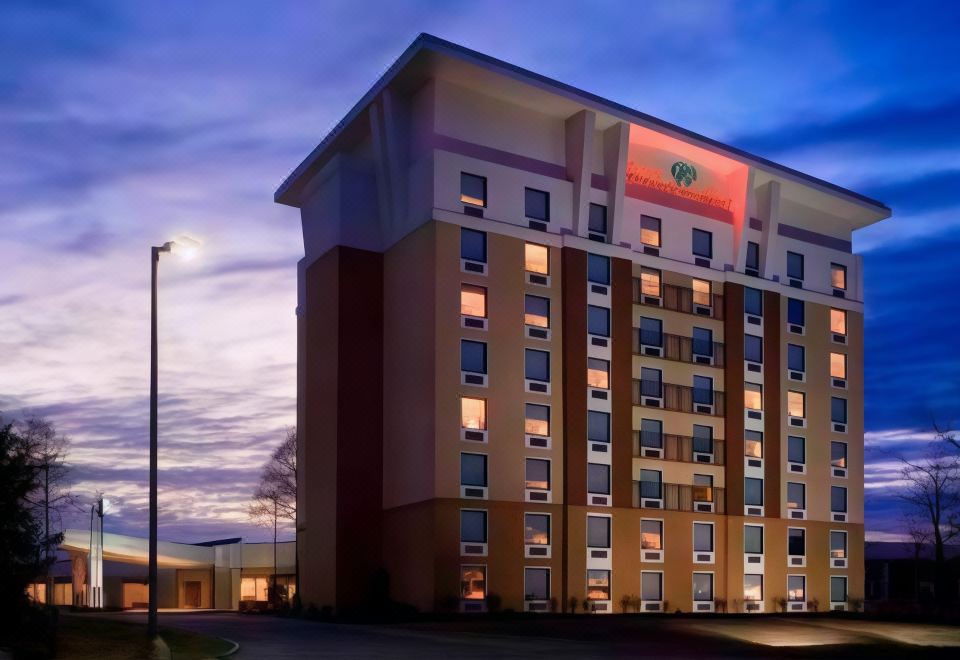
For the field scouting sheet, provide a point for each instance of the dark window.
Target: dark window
(651, 331)
(537, 204)
(536, 311)
(536, 529)
(651, 382)
(598, 269)
(598, 478)
(702, 439)
(598, 321)
(598, 532)
(650, 484)
(753, 255)
(650, 231)
(752, 301)
(473, 356)
(753, 539)
(795, 265)
(703, 390)
(473, 245)
(838, 410)
(537, 365)
(838, 454)
(651, 433)
(651, 585)
(598, 219)
(753, 491)
(838, 499)
(703, 243)
(796, 542)
(538, 474)
(473, 526)
(796, 449)
(795, 315)
(703, 342)
(753, 443)
(536, 583)
(796, 495)
(598, 426)
(753, 348)
(796, 358)
(473, 469)
(702, 537)
(838, 589)
(473, 189)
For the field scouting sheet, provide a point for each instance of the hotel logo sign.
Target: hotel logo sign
(681, 179)
(683, 173)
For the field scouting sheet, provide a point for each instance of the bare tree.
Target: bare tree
(275, 498)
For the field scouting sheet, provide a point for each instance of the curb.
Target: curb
(236, 647)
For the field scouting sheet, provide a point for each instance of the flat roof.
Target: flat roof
(429, 42)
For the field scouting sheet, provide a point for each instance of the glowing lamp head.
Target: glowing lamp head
(185, 247)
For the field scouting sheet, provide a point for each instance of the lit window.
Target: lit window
(254, 588)
(795, 265)
(473, 245)
(838, 321)
(753, 491)
(473, 356)
(598, 478)
(796, 541)
(538, 474)
(537, 311)
(753, 348)
(796, 495)
(598, 426)
(838, 365)
(473, 189)
(753, 444)
(838, 410)
(838, 499)
(838, 545)
(598, 373)
(752, 301)
(796, 358)
(702, 439)
(753, 396)
(537, 421)
(795, 312)
(651, 484)
(651, 433)
(598, 269)
(753, 255)
(838, 589)
(752, 587)
(473, 582)
(598, 219)
(473, 413)
(796, 588)
(473, 300)
(702, 243)
(701, 293)
(796, 404)
(598, 585)
(702, 537)
(702, 342)
(650, 282)
(536, 584)
(838, 454)
(598, 321)
(537, 365)
(651, 585)
(473, 526)
(537, 258)
(473, 470)
(753, 539)
(651, 534)
(650, 231)
(703, 587)
(536, 529)
(838, 276)
(537, 204)
(796, 449)
(598, 531)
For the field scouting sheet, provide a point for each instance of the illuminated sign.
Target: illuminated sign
(679, 183)
(683, 173)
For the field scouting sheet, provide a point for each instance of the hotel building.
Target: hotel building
(551, 348)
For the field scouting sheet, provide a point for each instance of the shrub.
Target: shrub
(624, 603)
(781, 603)
(553, 603)
(494, 602)
(587, 605)
(813, 604)
(573, 604)
(720, 604)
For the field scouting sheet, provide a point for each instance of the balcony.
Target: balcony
(684, 448)
(678, 497)
(678, 347)
(680, 299)
(678, 398)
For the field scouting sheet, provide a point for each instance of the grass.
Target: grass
(86, 638)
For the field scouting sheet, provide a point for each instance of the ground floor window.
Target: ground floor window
(651, 585)
(703, 587)
(536, 583)
(598, 585)
(254, 588)
(473, 582)
(838, 589)
(753, 587)
(796, 588)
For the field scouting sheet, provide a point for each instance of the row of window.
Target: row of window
(796, 403)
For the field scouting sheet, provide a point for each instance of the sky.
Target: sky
(123, 125)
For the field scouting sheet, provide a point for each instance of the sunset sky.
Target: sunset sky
(123, 125)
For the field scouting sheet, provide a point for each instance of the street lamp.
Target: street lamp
(186, 248)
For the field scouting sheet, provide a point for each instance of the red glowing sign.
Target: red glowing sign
(652, 177)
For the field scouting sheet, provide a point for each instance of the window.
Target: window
(838, 366)
(473, 469)
(838, 589)
(598, 321)
(651, 585)
(598, 373)
(598, 531)
(838, 410)
(702, 243)
(753, 396)
(753, 443)
(702, 490)
(795, 265)
(473, 582)
(473, 413)
(473, 300)
(537, 204)
(538, 474)
(753, 255)
(703, 390)
(253, 588)
(838, 322)
(796, 541)
(598, 585)
(838, 499)
(651, 433)
(796, 449)
(650, 231)
(473, 189)
(753, 491)
(838, 454)
(701, 293)
(703, 342)
(537, 420)
(796, 404)
(795, 312)
(651, 382)
(702, 439)
(753, 587)
(598, 269)
(651, 534)
(536, 311)
(473, 245)
(537, 365)
(598, 478)
(702, 537)
(650, 282)
(796, 358)
(796, 495)
(473, 356)
(598, 219)
(796, 588)
(473, 526)
(536, 529)
(598, 426)
(752, 301)
(753, 348)
(536, 583)
(651, 331)
(753, 539)
(536, 259)
(838, 545)
(703, 587)
(838, 276)
(651, 482)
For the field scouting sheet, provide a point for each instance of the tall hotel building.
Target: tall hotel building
(551, 348)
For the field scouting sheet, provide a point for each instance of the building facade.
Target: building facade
(554, 349)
